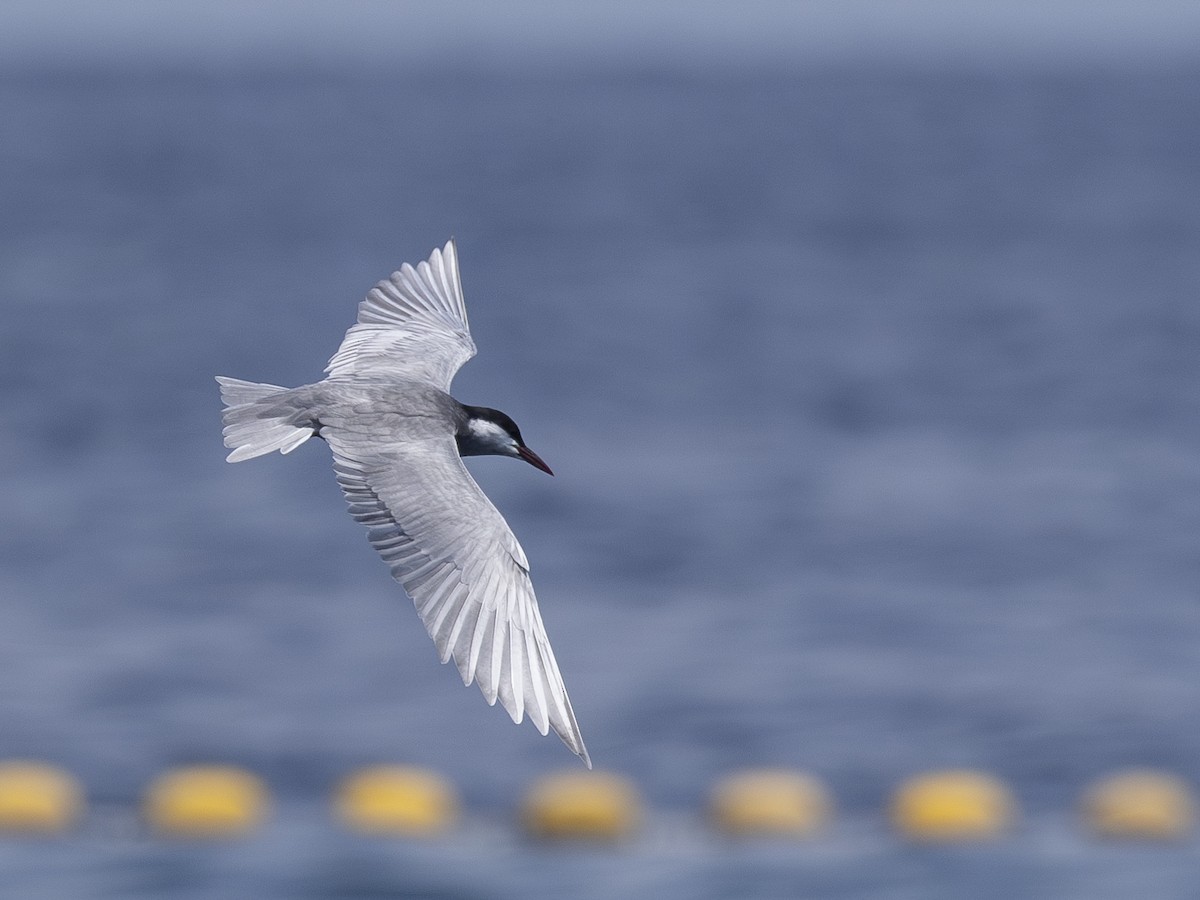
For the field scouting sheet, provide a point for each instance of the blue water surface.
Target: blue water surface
(873, 397)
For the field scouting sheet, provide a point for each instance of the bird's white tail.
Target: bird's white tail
(254, 425)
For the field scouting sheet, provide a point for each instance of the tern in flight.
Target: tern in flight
(397, 438)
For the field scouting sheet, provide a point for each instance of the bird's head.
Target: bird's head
(489, 432)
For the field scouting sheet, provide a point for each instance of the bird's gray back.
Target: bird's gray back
(381, 411)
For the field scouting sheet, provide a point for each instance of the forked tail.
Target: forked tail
(254, 425)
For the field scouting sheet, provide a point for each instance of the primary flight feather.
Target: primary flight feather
(397, 438)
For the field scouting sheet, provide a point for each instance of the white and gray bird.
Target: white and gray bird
(397, 437)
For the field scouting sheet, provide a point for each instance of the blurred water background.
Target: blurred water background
(872, 390)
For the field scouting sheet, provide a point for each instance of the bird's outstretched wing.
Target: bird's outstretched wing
(412, 325)
(468, 577)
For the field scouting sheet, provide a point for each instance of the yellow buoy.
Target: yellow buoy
(953, 806)
(205, 801)
(1140, 803)
(770, 802)
(583, 805)
(396, 800)
(36, 798)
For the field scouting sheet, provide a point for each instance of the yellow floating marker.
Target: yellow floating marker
(582, 805)
(1140, 803)
(770, 802)
(38, 799)
(396, 800)
(953, 806)
(205, 801)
